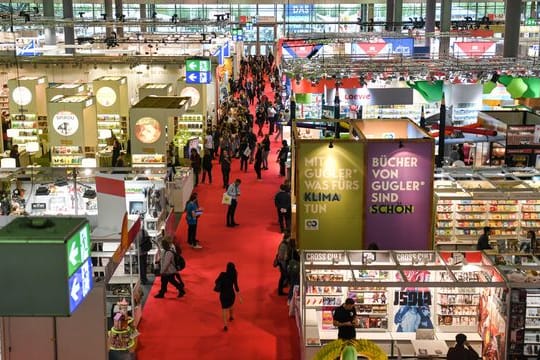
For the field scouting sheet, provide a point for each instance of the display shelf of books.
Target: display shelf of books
(24, 129)
(192, 124)
(530, 216)
(371, 307)
(67, 155)
(116, 124)
(458, 307)
(459, 220)
(518, 298)
(532, 324)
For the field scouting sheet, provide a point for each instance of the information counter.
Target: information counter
(409, 303)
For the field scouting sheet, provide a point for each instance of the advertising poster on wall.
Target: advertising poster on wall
(413, 305)
(330, 195)
(399, 195)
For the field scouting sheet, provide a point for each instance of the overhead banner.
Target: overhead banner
(374, 96)
(299, 48)
(384, 47)
(399, 194)
(473, 49)
(329, 203)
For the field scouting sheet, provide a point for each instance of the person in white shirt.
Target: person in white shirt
(209, 144)
(234, 192)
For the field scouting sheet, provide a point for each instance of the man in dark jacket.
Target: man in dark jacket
(462, 351)
(282, 200)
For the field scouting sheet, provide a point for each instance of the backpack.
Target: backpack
(178, 260)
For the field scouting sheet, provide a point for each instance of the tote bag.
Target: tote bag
(227, 199)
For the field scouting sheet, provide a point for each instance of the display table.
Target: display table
(430, 348)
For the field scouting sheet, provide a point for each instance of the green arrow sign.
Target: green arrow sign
(201, 65)
(78, 248)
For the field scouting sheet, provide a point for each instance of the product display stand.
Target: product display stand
(153, 119)
(28, 110)
(463, 207)
(73, 135)
(192, 124)
(400, 297)
(112, 107)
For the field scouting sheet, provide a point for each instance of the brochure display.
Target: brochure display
(73, 130)
(152, 119)
(403, 296)
(28, 110)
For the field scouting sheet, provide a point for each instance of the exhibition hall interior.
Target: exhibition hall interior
(395, 212)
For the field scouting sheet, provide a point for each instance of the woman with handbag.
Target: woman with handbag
(227, 286)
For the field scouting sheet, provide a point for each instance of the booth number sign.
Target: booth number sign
(412, 298)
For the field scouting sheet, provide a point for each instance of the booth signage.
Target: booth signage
(364, 96)
(330, 195)
(399, 192)
(324, 256)
(39, 206)
(80, 284)
(78, 249)
(412, 298)
(299, 10)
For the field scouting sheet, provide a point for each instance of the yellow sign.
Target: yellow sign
(330, 195)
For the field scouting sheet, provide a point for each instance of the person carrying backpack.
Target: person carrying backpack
(169, 270)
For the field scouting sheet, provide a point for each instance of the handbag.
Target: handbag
(217, 287)
(157, 269)
(247, 152)
(227, 199)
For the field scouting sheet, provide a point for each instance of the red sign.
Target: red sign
(475, 48)
(371, 49)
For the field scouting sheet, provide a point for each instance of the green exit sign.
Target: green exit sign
(78, 249)
(198, 65)
(530, 22)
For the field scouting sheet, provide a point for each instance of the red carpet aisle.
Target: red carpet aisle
(191, 327)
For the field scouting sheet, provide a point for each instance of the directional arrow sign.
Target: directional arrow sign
(192, 77)
(80, 284)
(74, 254)
(197, 65)
(78, 248)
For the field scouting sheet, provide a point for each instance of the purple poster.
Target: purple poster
(399, 195)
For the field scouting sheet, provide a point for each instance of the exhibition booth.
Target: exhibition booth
(153, 119)
(27, 109)
(72, 129)
(466, 200)
(410, 303)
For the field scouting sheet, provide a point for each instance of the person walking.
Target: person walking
(344, 318)
(195, 165)
(266, 150)
(209, 144)
(234, 192)
(282, 200)
(283, 155)
(244, 152)
(227, 286)
(258, 161)
(483, 240)
(207, 166)
(462, 350)
(225, 162)
(282, 257)
(192, 217)
(168, 271)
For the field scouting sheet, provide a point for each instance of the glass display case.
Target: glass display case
(399, 294)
